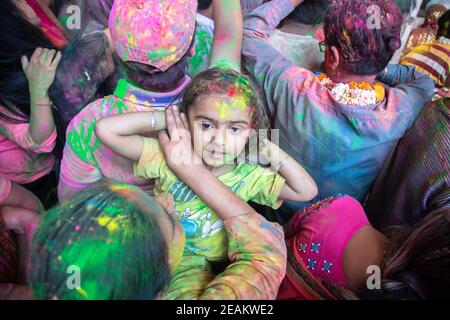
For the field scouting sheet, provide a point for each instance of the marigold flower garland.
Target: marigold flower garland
(353, 93)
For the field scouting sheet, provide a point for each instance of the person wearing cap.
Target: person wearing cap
(153, 40)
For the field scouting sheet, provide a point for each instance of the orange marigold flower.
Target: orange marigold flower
(353, 85)
(365, 86)
(322, 76)
(379, 91)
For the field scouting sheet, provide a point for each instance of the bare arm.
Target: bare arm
(40, 72)
(123, 133)
(299, 186)
(228, 28)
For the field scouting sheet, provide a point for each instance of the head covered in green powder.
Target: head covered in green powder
(107, 235)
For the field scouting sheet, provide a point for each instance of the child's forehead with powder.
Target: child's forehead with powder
(223, 108)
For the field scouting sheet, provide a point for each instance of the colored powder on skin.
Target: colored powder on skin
(226, 107)
(200, 61)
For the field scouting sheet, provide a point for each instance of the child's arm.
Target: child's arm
(122, 133)
(299, 186)
(228, 30)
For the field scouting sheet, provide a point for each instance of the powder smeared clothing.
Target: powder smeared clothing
(21, 159)
(205, 234)
(417, 179)
(86, 160)
(343, 147)
(257, 251)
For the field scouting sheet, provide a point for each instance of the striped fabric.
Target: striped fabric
(8, 255)
(417, 180)
(432, 59)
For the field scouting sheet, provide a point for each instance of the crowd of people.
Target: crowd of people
(224, 149)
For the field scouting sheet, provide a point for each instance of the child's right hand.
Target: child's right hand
(176, 143)
(40, 71)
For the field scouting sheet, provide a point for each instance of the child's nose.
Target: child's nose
(219, 138)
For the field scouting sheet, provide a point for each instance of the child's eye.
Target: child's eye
(206, 125)
(235, 130)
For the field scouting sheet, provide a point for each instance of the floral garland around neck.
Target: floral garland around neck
(444, 41)
(353, 93)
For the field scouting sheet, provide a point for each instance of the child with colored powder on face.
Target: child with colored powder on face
(153, 40)
(220, 107)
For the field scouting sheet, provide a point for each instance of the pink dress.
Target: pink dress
(320, 234)
(21, 159)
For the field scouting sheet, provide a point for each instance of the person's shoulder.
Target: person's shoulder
(253, 171)
(97, 109)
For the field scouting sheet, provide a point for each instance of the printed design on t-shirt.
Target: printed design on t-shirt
(181, 192)
(200, 224)
(237, 186)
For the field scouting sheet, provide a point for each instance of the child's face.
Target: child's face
(220, 128)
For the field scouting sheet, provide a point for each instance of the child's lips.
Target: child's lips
(216, 154)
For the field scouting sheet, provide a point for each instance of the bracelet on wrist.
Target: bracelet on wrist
(49, 104)
(153, 121)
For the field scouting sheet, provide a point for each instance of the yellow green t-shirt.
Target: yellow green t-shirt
(205, 233)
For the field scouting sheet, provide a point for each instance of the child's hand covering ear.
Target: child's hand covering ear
(176, 143)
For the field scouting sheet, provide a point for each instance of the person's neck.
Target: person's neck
(340, 77)
(209, 13)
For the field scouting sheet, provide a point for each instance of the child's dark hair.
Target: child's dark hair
(227, 82)
(117, 247)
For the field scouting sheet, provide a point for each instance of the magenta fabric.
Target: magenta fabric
(21, 159)
(323, 231)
